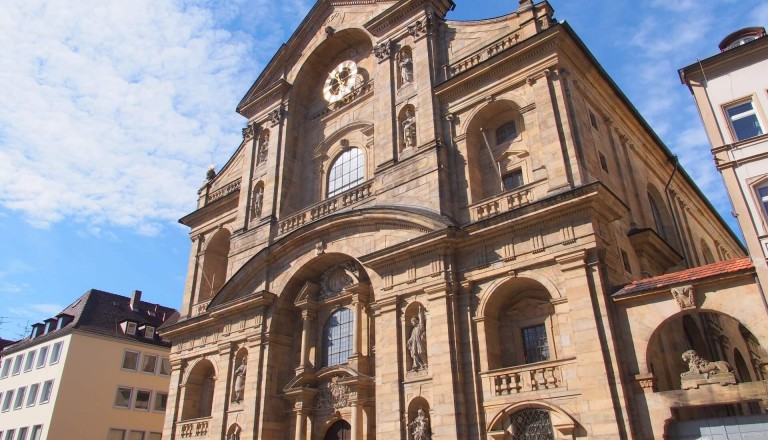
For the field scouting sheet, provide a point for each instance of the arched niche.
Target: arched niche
(405, 70)
(497, 158)
(414, 327)
(233, 433)
(239, 373)
(407, 129)
(419, 417)
(518, 323)
(660, 216)
(215, 261)
(199, 386)
(712, 335)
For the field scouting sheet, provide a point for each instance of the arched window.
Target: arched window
(657, 219)
(337, 338)
(506, 132)
(347, 171)
(531, 424)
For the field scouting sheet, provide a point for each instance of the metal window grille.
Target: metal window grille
(535, 344)
(531, 424)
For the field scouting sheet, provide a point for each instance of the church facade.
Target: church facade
(436, 229)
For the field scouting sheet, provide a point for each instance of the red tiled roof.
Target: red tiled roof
(687, 276)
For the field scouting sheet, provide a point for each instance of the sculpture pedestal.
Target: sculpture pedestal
(693, 381)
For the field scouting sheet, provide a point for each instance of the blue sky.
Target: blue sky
(111, 112)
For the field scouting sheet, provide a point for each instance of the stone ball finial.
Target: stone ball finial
(211, 173)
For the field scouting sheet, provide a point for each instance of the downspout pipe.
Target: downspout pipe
(671, 210)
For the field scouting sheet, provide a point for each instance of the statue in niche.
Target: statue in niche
(406, 68)
(420, 426)
(700, 366)
(261, 155)
(409, 129)
(240, 381)
(417, 343)
(234, 433)
(258, 201)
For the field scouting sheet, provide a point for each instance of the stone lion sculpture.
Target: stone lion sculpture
(698, 365)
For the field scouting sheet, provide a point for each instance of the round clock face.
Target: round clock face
(340, 81)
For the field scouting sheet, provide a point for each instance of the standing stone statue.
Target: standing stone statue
(406, 69)
(240, 380)
(417, 343)
(258, 201)
(409, 129)
(420, 426)
(261, 156)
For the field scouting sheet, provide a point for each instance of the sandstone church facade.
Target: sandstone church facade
(424, 234)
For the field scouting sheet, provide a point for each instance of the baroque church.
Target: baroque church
(436, 229)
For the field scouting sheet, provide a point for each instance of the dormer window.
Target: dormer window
(149, 332)
(130, 328)
(741, 41)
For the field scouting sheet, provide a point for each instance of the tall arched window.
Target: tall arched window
(657, 219)
(347, 171)
(337, 338)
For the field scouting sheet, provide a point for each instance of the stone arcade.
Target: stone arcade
(423, 236)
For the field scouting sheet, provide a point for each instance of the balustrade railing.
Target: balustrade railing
(501, 203)
(481, 55)
(224, 190)
(527, 378)
(197, 428)
(200, 307)
(326, 207)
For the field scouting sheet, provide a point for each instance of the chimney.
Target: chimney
(135, 299)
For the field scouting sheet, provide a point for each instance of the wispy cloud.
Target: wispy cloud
(111, 111)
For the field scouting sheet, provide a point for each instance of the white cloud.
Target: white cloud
(112, 111)
(36, 311)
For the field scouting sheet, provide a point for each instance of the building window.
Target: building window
(23, 433)
(130, 328)
(513, 180)
(37, 431)
(347, 171)
(149, 363)
(33, 389)
(20, 394)
(337, 337)
(45, 394)
(506, 132)
(149, 332)
(531, 424)
(762, 194)
(116, 434)
(30, 361)
(6, 368)
(56, 353)
(155, 436)
(165, 366)
(142, 400)
(123, 397)
(7, 401)
(130, 360)
(744, 121)
(136, 435)
(657, 220)
(9, 434)
(43, 357)
(593, 120)
(17, 364)
(625, 260)
(161, 402)
(535, 344)
(603, 162)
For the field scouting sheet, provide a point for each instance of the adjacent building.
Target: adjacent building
(731, 93)
(436, 229)
(97, 370)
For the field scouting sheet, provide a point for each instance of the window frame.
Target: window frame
(154, 402)
(131, 432)
(345, 338)
(149, 332)
(129, 405)
(754, 112)
(17, 363)
(10, 434)
(56, 353)
(23, 431)
(6, 368)
(334, 166)
(510, 174)
(29, 362)
(34, 389)
(135, 363)
(122, 433)
(42, 358)
(163, 361)
(8, 400)
(148, 401)
(36, 433)
(509, 137)
(46, 388)
(18, 401)
(144, 356)
(130, 328)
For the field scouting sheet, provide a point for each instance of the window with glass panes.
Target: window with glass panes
(337, 338)
(506, 132)
(123, 397)
(33, 389)
(37, 431)
(20, 394)
(55, 353)
(347, 171)
(744, 121)
(6, 368)
(43, 357)
(23, 433)
(30, 360)
(513, 180)
(45, 394)
(535, 344)
(17, 364)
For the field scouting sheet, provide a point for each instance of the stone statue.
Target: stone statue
(420, 426)
(261, 155)
(409, 129)
(258, 201)
(240, 380)
(699, 366)
(417, 343)
(406, 69)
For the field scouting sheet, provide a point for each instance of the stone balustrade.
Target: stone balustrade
(526, 378)
(200, 307)
(197, 428)
(224, 190)
(501, 203)
(481, 55)
(326, 207)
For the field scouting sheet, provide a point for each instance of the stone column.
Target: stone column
(356, 421)
(301, 423)
(308, 317)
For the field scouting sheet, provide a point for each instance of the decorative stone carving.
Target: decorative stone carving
(333, 395)
(406, 68)
(249, 131)
(702, 372)
(211, 173)
(276, 116)
(382, 50)
(409, 129)
(417, 28)
(684, 297)
(329, 31)
(420, 426)
(239, 385)
(417, 343)
(335, 279)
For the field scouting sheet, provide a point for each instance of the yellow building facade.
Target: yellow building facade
(436, 230)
